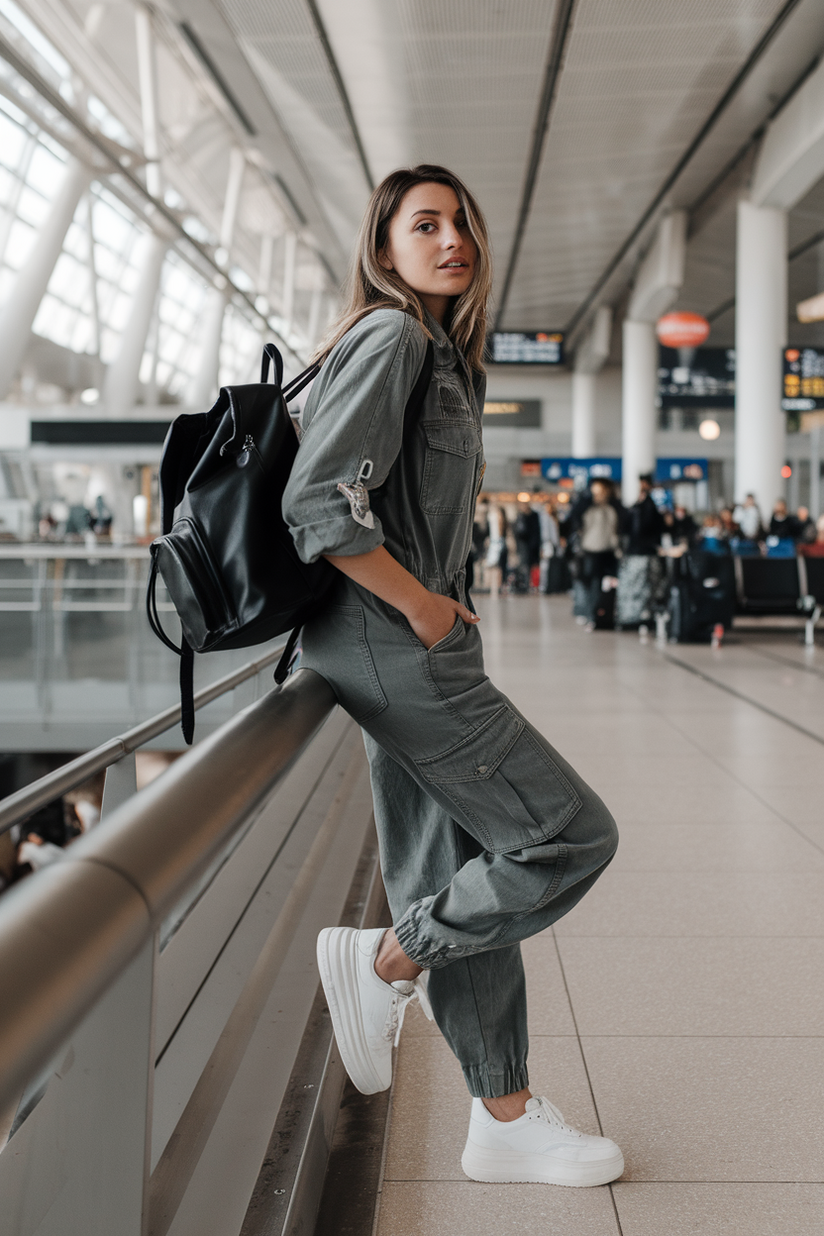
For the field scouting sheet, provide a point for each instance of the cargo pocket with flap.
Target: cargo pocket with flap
(505, 784)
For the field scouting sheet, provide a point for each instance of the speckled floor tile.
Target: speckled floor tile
(472, 1209)
(712, 1109)
(715, 986)
(735, 845)
(700, 902)
(720, 1209)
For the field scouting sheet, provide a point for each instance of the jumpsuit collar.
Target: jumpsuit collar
(447, 354)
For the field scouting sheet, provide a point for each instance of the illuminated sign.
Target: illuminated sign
(667, 471)
(512, 413)
(803, 380)
(696, 377)
(513, 347)
(671, 470)
(608, 469)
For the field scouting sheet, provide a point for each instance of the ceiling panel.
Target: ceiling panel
(638, 81)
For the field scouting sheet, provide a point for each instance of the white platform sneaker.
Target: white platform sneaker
(367, 1014)
(539, 1146)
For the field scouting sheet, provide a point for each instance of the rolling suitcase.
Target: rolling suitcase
(605, 606)
(702, 596)
(555, 575)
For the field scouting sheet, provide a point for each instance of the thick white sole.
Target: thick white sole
(520, 1167)
(338, 965)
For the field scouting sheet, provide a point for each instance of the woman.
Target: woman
(486, 834)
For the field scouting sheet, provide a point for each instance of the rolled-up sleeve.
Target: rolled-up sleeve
(353, 429)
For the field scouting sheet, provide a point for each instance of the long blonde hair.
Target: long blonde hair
(371, 287)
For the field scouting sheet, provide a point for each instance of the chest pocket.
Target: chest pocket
(450, 469)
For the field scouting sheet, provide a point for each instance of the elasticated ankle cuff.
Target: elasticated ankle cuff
(484, 1083)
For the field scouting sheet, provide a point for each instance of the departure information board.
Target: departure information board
(512, 414)
(803, 380)
(696, 377)
(512, 347)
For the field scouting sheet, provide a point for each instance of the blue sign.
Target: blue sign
(670, 471)
(605, 468)
(582, 471)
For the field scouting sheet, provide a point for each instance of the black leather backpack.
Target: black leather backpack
(226, 554)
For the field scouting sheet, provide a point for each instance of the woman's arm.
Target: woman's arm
(430, 615)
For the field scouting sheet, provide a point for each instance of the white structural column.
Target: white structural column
(656, 288)
(583, 414)
(589, 359)
(290, 250)
(122, 381)
(760, 334)
(815, 471)
(19, 312)
(639, 390)
(204, 385)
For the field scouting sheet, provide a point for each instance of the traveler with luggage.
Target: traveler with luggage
(599, 522)
(641, 575)
(554, 574)
(527, 533)
(487, 835)
(497, 554)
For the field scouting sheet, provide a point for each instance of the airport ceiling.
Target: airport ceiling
(577, 123)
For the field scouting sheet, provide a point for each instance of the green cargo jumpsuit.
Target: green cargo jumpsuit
(487, 835)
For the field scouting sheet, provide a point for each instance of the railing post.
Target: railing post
(120, 784)
(79, 1163)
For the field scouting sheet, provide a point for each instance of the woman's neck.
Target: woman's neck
(438, 306)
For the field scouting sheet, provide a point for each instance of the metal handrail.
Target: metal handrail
(22, 803)
(69, 931)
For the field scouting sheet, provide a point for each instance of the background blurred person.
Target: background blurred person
(748, 517)
(783, 525)
(527, 533)
(713, 536)
(814, 549)
(497, 556)
(641, 577)
(729, 523)
(806, 526)
(600, 524)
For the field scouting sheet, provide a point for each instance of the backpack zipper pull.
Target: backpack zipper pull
(245, 453)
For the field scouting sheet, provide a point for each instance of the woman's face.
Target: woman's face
(430, 246)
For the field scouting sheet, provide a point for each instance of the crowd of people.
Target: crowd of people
(554, 543)
(742, 529)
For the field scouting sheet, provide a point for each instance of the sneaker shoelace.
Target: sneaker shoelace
(405, 992)
(541, 1108)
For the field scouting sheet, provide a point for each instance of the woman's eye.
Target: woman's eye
(426, 227)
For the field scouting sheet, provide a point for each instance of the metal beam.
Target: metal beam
(696, 143)
(70, 932)
(334, 69)
(114, 157)
(557, 47)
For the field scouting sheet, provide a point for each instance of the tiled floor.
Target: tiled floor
(680, 1007)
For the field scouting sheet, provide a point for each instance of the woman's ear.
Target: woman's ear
(384, 261)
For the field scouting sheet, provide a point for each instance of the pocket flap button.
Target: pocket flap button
(482, 769)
